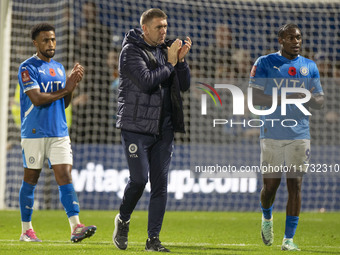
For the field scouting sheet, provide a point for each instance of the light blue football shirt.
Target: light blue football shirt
(275, 71)
(47, 120)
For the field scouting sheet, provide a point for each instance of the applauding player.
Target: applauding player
(45, 93)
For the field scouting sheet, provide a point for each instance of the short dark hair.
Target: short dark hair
(286, 27)
(148, 15)
(36, 29)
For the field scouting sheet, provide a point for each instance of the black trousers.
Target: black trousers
(147, 155)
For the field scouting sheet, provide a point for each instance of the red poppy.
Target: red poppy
(292, 70)
(52, 72)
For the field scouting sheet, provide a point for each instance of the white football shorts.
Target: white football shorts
(57, 150)
(284, 155)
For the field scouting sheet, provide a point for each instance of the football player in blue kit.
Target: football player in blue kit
(45, 92)
(285, 145)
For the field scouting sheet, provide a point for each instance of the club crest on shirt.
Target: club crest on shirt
(304, 71)
(60, 72)
(25, 76)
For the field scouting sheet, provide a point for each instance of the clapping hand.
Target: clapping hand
(75, 77)
(183, 51)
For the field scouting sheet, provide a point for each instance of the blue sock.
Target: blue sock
(291, 225)
(69, 199)
(267, 213)
(26, 201)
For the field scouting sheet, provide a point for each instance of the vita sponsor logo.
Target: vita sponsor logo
(94, 178)
(52, 86)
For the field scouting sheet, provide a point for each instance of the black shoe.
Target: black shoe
(120, 234)
(153, 244)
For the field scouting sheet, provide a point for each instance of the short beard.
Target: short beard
(45, 54)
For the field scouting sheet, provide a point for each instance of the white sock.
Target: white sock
(26, 226)
(74, 221)
(267, 219)
(285, 239)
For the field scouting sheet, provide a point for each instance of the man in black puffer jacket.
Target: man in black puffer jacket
(152, 74)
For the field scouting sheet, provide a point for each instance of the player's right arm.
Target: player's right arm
(258, 79)
(38, 98)
(316, 102)
(261, 99)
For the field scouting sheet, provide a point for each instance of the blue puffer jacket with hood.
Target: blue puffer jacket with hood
(141, 78)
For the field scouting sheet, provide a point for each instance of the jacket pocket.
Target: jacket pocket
(135, 109)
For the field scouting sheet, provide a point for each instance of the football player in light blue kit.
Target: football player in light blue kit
(45, 92)
(284, 146)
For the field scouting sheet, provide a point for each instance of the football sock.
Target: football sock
(26, 226)
(267, 213)
(74, 221)
(69, 199)
(26, 201)
(291, 225)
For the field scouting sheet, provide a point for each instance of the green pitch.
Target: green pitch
(183, 233)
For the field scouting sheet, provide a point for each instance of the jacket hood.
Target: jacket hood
(134, 36)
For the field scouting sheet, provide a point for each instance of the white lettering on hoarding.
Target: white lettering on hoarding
(97, 179)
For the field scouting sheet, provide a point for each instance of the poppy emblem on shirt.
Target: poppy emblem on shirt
(25, 76)
(292, 70)
(253, 71)
(304, 71)
(52, 72)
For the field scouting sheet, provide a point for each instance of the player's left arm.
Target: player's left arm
(76, 76)
(317, 98)
(68, 99)
(316, 101)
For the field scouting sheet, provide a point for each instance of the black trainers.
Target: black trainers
(154, 244)
(120, 234)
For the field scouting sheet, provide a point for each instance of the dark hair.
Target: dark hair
(41, 27)
(148, 15)
(286, 27)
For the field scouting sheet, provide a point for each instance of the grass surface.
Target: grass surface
(182, 233)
